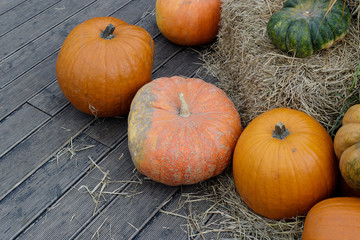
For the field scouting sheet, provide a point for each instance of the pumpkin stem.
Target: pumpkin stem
(280, 131)
(184, 108)
(107, 33)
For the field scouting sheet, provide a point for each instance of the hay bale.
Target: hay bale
(258, 77)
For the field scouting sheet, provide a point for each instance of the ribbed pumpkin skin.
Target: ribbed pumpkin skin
(188, 22)
(300, 27)
(278, 178)
(347, 147)
(333, 219)
(176, 150)
(100, 76)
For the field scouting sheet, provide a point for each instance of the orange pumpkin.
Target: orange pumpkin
(182, 131)
(333, 219)
(102, 63)
(347, 147)
(284, 163)
(188, 22)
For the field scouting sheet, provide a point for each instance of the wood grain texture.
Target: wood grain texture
(50, 100)
(6, 6)
(22, 13)
(45, 186)
(19, 125)
(37, 149)
(74, 210)
(172, 221)
(39, 25)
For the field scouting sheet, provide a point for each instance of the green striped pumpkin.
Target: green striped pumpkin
(302, 27)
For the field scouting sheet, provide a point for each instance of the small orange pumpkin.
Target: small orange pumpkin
(333, 219)
(347, 147)
(284, 163)
(188, 22)
(102, 63)
(182, 131)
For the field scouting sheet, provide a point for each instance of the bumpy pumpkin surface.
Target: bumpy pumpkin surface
(101, 66)
(333, 219)
(347, 147)
(284, 163)
(188, 22)
(182, 131)
(302, 27)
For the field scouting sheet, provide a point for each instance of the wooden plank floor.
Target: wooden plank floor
(42, 182)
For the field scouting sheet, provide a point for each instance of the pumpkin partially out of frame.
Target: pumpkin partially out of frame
(188, 23)
(182, 131)
(284, 163)
(333, 219)
(102, 63)
(347, 147)
(303, 27)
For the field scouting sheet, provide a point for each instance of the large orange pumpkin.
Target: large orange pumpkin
(188, 22)
(284, 163)
(102, 63)
(347, 147)
(182, 131)
(333, 219)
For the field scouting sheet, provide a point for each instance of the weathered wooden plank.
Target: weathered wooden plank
(49, 43)
(50, 100)
(39, 25)
(129, 13)
(171, 222)
(108, 131)
(21, 13)
(204, 74)
(19, 92)
(184, 63)
(19, 125)
(122, 218)
(33, 152)
(74, 210)
(6, 5)
(46, 185)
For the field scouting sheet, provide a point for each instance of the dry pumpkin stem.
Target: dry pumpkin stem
(184, 108)
(108, 32)
(258, 77)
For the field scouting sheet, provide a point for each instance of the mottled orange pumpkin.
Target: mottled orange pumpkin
(188, 22)
(347, 147)
(284, 163)
(182, 131)
(102, 63)
(333, 219)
